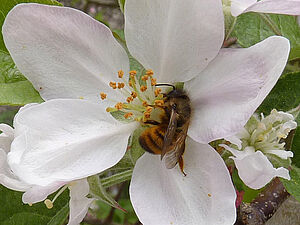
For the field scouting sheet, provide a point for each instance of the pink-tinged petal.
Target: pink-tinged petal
(62, 51)
(228, 91)
(65, 140)
(79, 203)
(164, 196)
(289, 7)
(7, 178)
(280, 153)
(172, 37)
(239, 6)
(256, 170)
(40, 193)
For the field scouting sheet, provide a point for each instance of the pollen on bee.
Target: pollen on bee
(132, 72)
(121, 85)
(145, 77)
(157, 91)
(133, 94)
(143, 88)
(127, 115)
(113, 85)
(48, 203)
(129, 99)
(119, 106)
(149, 72)
(120, 73)
(153, 81)
(103, 95)
(159, 102)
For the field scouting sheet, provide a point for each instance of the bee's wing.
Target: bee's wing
(170, 132)
(172, 156)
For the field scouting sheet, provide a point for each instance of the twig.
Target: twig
(264, 206)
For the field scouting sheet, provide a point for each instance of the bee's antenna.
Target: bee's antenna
(170, 85)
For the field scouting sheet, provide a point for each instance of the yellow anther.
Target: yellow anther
(146, 115)
(30, 204)
(119, 106)
(157, 91)
(145, 104)
(121, 85)
(129, 99)
(153, 81)
(159, 102)
(149, 72)
(145, 77)
(132, 72)
(143, 88)
(109, 109)
(133, 94)
(113, 85)
(209, 195)
(103, 95)
(127, 115)
(149, 109)
(48, 203)
(81, 97)
(120, 73)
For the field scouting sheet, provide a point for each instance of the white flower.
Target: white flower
(68, 56)
(289, 7)
(260, 139)
(34, 192)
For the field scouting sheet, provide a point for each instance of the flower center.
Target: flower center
(142, 99)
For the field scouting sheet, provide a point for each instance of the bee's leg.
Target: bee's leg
(181, 165)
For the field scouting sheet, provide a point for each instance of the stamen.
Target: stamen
(145, 77)
(145, 103)
(127, 115)
(129, 99)
(132, 72)
(159, 102)
(48, 203)
(113, 85)
(110, 109)
(119, 106)
(143, 88)
(153, 81)
(149, 109)
(157, 91)
(121, 85)
(146, 116)
(103, 95)
(81, 97)
(149, 72)
(133, 94)
(120, 73)
(130, 83)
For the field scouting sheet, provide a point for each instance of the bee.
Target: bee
(167, 137)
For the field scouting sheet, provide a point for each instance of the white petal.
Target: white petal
(281, 153)
(289, 7)
(62, 51)
(79, 203)
(229, 90)
(164, 196)
(64, 140)
(40, 193)
(239, 6)
(7, 178)
(240, 154)
(6, 137)
(172, 37)
(256, 170)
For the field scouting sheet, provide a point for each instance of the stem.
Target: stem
(270, 23)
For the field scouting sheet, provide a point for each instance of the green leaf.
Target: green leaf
(284, 96)
(14, 88)
(99, 192)
(296, 147)
(7, 5)
(252, 28)
(293, 185)
(13, 211)
(60, 217)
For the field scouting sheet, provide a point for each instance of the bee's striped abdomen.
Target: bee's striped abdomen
(152, 139)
